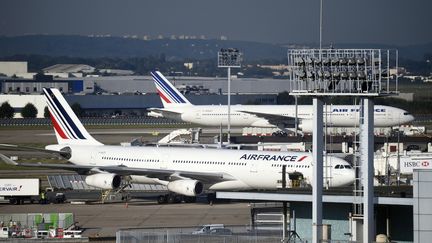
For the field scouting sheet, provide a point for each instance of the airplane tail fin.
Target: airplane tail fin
(169, 95)
(67, 126)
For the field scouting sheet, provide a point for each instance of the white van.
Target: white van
(205, 229)
(4, 232)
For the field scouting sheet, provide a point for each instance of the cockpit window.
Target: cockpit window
(406, 113)
(343, 167)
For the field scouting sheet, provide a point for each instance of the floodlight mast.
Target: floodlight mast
(229, 58)
(323, 73)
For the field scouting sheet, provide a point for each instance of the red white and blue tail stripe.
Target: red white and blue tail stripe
(67, 126)
(169, 95)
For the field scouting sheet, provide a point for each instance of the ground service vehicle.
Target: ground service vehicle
(18, 191)
(207, 228)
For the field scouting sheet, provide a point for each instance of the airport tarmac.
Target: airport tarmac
(103, 220)
(104, 135)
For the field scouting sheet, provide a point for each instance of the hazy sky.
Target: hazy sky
(399, 22)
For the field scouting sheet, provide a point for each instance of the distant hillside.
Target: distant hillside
(82, 46)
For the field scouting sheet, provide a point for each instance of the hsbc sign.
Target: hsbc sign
(408, 164)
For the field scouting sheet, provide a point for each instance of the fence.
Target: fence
(92, 121)
(240, 234)
(136, 236)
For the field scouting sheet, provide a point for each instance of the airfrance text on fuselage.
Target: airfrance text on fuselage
(355, 110)
(268, 157)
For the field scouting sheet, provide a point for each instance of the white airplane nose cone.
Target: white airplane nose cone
(410, 118)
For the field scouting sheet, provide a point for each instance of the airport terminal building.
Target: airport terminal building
(132, 95)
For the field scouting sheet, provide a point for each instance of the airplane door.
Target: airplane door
(164, 161)
(95, 155)
(253, 167)
(245, 116)
(92, 159)
(390, 117)
(198, 114)
(354, 117)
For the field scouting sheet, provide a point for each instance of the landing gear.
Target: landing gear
(174, 198)
(162, 199)
(211, 198)
(188, 199)
(280, 133)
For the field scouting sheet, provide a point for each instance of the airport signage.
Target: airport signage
(408, 164)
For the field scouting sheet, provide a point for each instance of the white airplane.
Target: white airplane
(185, 171)
(177, 107)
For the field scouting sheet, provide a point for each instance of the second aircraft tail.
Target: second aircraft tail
(170, 96)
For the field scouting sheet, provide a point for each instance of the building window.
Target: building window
(34, 89)
(27, 89)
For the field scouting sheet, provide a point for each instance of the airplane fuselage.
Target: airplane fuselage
(334, 115)
(244, 169)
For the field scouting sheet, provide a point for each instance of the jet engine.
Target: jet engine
(306, 126)
(104, 180)
(186, 187)
(261, 123)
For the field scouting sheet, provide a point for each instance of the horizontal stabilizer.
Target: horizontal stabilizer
(7, 160)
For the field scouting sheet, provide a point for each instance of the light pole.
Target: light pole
(368, 77)
(229, 58)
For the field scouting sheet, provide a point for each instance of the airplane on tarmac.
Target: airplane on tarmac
(177, 107)
(185, 171)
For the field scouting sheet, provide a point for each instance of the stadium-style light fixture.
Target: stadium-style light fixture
(229, 58)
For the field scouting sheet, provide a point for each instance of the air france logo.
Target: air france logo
(342, 110)
(267, 157)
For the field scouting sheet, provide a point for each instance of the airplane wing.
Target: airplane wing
(169, 175)
(276, 120)
(64, 153)
(161, 110)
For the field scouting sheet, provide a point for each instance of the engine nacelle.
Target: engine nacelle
(186, 187)
(154, 114)
(104, 180)
(262, 123)
(306, 126)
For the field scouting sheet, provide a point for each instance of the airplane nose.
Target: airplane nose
(352, 176)
(410, 118)
(349, 178)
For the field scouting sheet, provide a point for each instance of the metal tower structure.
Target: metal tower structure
(362, 73)
(229, 58)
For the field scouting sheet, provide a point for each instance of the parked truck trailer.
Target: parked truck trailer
(19, 191)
